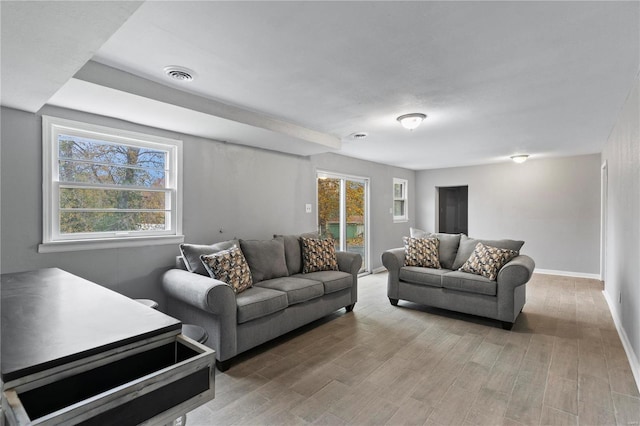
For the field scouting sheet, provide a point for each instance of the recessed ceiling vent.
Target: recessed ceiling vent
(179, 73)
(358, 135)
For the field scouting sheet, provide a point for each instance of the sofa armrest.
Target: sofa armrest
(202, 292)
(349, 262)
(393, 259)
(516, 272)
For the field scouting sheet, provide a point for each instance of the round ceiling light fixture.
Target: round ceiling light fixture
(411, 121)
(520, 158)
(178, 73)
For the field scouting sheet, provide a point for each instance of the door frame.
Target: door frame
(437, 204)
(367, 209)
(604, 195)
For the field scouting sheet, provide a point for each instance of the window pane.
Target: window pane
(73, 171)
(89, 198)
(397, 190)
(329, 209)
(73, 222)
(398, 208)
(355, 204)
(85, 149)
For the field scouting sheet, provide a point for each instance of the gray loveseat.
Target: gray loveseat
(282, 297)
(448, 288)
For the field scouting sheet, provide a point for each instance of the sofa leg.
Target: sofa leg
(506, 325)
(394, 302)
(223, 366)
(349, 308)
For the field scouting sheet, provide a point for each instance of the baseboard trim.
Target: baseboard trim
(631, 355)
(537, 271)
(567, 274)
(379, 270)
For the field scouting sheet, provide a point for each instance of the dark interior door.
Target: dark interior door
(452, 208)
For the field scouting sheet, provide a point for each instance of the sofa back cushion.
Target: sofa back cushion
(293, 251)
(418, 233)
(468, 245)
(191, 254)
(448, 248)
(266, 258)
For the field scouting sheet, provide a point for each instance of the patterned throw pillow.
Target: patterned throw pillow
(421, 252)
(318, 255)
(229, 266)
(487, 261)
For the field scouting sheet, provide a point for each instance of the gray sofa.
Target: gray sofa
(448, 288)
(277, 303)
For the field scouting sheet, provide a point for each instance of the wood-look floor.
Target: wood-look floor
(562, 364)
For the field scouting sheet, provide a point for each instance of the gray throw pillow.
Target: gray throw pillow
(265, 258)
(418, 233)
(293, 251)
(468, 245)
(191, 254)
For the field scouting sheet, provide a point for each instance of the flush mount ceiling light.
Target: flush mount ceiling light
(520, 158)
(178, 73)
(411, 121)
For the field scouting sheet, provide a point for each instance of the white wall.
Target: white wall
(622, 276)
(245, 192)
(551, 204)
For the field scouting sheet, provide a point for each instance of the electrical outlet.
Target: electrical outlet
(308, 208)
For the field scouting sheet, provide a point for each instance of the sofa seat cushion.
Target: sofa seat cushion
(257, 302)
(298, 290)
(464, 281)
(426, 276)
(332, 280)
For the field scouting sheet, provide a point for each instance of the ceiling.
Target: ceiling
(494, 78)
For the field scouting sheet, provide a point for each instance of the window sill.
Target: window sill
(400, 220)
(77, 245)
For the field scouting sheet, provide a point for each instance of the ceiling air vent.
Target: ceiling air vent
(179, 73)
(358, 135)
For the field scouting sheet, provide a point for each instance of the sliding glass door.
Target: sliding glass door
(343, 212)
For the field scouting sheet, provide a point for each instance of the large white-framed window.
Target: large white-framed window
(106, 187)
(400, 200)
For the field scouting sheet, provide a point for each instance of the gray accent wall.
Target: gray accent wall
(229, 191)
(622, 268)
(551, 204)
